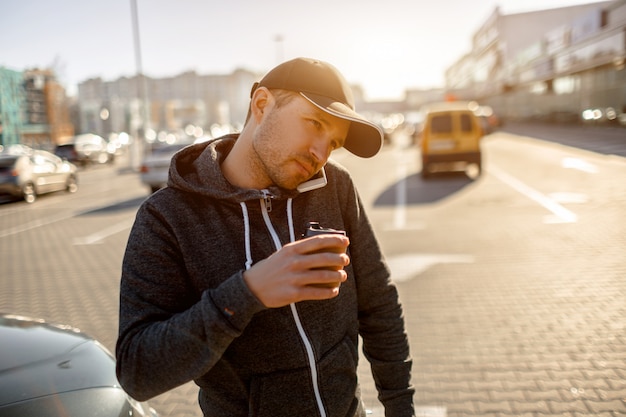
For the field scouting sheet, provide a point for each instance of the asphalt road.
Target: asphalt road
(512, 281)
(602, 139)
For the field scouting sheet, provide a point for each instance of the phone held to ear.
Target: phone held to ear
(318, 181)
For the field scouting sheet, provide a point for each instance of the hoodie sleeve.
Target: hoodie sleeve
(381, 320)
(164, 321)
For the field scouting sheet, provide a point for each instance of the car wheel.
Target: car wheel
(29, 193)
(72, 185)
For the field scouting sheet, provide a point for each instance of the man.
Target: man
(218, 286)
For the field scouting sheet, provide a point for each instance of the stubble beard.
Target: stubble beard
(269, 156)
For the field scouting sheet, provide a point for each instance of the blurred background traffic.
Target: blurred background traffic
(569, 68)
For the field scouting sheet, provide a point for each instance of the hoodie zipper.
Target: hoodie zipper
(267, 197)
(265, 209)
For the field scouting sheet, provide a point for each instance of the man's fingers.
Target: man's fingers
(323, 260)
(322, 278)
(322, 243)
(317, 292)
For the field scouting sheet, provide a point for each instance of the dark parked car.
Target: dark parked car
(31, 173)
(49, 370)
(86, 149)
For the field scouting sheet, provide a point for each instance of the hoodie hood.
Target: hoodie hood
(197, 169)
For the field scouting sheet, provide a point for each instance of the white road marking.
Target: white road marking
(569, 198)
(560, 213)
(400, 208)
(408, 266)
(98, 237)
(399, 218)
(431, 411)
(579, 164)
(35, 224)
(420, 411)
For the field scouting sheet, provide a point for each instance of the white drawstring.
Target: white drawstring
(294, 310)
(246, 227)
(292, 235)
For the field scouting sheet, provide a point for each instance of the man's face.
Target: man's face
(294, 141)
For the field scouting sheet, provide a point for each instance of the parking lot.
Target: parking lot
(513, 307)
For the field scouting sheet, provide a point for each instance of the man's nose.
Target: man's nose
(321, 149)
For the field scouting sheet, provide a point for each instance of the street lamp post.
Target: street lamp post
(141, 89)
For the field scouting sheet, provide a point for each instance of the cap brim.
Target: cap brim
(364, 139)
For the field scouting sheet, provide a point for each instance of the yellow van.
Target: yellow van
(450, 136)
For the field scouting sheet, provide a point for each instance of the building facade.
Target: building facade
(11, 103)
(33, 109)
(142, 104)
(561, 65)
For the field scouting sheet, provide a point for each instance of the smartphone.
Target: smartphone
(318, 181)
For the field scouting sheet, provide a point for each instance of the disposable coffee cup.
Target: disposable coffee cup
(314, 229)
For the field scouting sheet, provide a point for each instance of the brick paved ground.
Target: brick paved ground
(534, 326)
(528, 332)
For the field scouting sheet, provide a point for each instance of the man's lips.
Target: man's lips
(307, 169)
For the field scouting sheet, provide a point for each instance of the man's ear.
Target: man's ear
(262, 99)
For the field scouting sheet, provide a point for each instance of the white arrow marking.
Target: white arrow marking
(408, 266)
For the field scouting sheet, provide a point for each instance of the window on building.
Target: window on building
(565, 85)
(539, 88)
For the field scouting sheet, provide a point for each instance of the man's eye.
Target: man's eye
(316, 124)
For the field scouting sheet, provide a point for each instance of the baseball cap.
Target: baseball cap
(324, 86)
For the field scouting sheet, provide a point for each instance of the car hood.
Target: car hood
(39, 359)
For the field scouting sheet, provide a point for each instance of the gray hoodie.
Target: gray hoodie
(186, 313)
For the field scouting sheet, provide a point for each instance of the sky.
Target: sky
(385, 46)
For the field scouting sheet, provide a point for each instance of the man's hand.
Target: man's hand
(308, 269)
